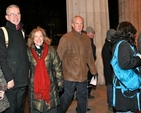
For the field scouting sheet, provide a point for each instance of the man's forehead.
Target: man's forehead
(13, 9)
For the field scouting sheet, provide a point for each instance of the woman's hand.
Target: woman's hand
(1, 94)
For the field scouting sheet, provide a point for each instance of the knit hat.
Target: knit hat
(110, 33)
(89, 29)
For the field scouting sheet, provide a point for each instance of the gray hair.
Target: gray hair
(76, 16)
(11, 6)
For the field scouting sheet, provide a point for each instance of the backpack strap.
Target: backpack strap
(23, 33)
(6, 35)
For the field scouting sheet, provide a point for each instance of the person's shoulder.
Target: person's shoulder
(51, 47)
(85, 35)
(1, 32)
(66, 36)
(124, 43)
(52, 50)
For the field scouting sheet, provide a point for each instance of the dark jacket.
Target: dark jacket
(106, 56)
(126, 61)
(14, 59)
(75, 52)
(139, 43)
(93, 49)
(54, 67)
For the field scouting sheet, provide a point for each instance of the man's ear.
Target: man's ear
(6, 16)
(72, 25)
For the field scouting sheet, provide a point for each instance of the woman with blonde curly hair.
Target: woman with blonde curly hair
(46, 77)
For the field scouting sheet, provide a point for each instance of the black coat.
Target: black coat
(93, 49)
(14, 59)
(139, 43)
(126, 61)
(106, 56)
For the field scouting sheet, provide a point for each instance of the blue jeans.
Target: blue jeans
(81, 94)
(110, 95)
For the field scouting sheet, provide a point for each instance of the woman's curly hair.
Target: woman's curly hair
(125, 31)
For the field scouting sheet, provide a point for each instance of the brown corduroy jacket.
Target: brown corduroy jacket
(75, 52)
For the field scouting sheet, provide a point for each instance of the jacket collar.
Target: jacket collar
(76, 33)
(13, 26)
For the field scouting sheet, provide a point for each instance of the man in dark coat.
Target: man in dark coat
(14, 60)
(91, 33)
(108, 71)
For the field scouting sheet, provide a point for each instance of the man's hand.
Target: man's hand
(10, 84)
(1, 94)
(95, 75)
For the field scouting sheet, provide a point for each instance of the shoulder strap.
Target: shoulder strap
(117, 46)
(116, 49)
(6, 35)
(23, 33)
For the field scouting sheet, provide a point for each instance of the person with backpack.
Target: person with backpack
(125, 32)
(14, 60)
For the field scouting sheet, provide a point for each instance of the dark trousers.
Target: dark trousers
(110, 95)
(89, 85)
(81, 95)
(16, 98)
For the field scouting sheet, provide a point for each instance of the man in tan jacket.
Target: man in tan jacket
(75, 52)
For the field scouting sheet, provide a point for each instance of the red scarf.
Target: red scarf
(18, 27)
(41, 77)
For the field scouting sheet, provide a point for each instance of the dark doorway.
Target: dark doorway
(113, 13)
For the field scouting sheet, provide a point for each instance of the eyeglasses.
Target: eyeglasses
(12, 14)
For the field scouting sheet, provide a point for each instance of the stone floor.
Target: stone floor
(97, 105)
